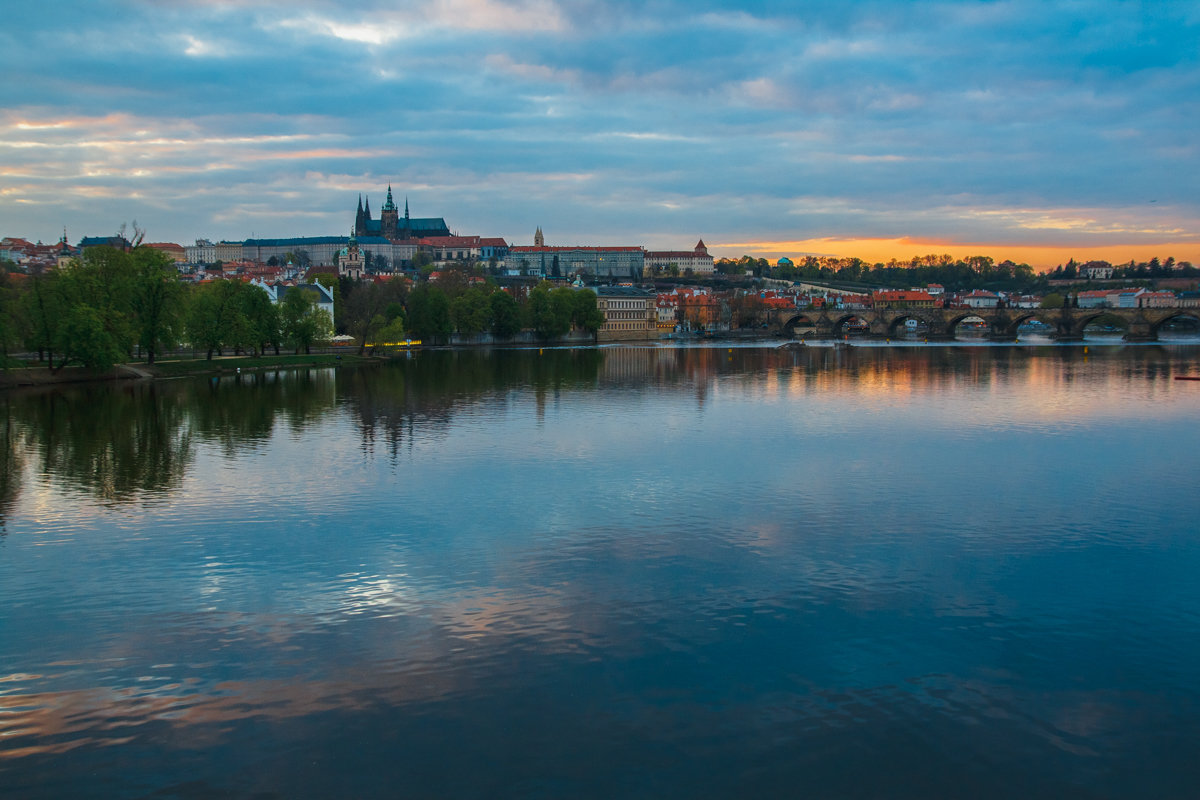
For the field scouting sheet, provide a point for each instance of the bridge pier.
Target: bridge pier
(1140, 331)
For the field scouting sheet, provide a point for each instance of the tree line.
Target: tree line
(112, 305)
(955, 274)
(460, 301)
(1134, 270)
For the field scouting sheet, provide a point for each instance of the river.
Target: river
(878, 571)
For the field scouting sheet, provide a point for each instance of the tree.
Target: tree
(429, 313)
(157, 301)
(94, 294)
(549, 316)
(216, 317)
(331, 282)
(506, 315)
(372, 306)
(10, 322)
(1052, 300)
(42, 310)
(85, 337)
(303, 323)
(585, 314)
(470, 312)
(262, 319)
(389, 332)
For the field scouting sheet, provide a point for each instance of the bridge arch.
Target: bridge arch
(1020, 316)
(896, 324)
(841, 321)
(801, 320)
(1174, 314)
(1084, 320)
(957, 316)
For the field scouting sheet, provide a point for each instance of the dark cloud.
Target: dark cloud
(602, 120)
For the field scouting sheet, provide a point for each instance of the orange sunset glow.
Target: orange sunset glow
(1040, 257)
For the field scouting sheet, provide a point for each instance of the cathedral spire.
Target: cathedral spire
(406, 206)
(389, 205)
(538, 239)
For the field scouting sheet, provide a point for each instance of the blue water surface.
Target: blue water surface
(628, 571)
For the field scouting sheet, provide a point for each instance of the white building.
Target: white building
(981, 299)
(277, 291)
(689, 262)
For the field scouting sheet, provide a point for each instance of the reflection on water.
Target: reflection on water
(626, 571)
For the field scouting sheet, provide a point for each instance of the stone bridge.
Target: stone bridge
(1141, 324)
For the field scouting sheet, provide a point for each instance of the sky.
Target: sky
(1037, 131)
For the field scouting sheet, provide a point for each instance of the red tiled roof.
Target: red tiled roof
(451, 241)
(900, 295)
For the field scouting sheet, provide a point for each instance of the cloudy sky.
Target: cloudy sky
(886, 128)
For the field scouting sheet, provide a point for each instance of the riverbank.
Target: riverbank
(177, 368)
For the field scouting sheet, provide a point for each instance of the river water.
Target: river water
(622, 572)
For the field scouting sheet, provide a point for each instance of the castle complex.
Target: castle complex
(391, 227)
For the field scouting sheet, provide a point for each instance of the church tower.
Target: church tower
(389, 218)
(350, 260)
(538, 239)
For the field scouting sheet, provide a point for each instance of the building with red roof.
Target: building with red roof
(902, 298)
(696, 261)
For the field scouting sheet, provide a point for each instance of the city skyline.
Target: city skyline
(879, 129)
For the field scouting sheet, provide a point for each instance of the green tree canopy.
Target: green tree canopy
(471, 311)
(549, 311)
(370, 307)
(505, 315)
(157, 300)
(429, 313)
(585, 313)
(217, 319)
(302, 321)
